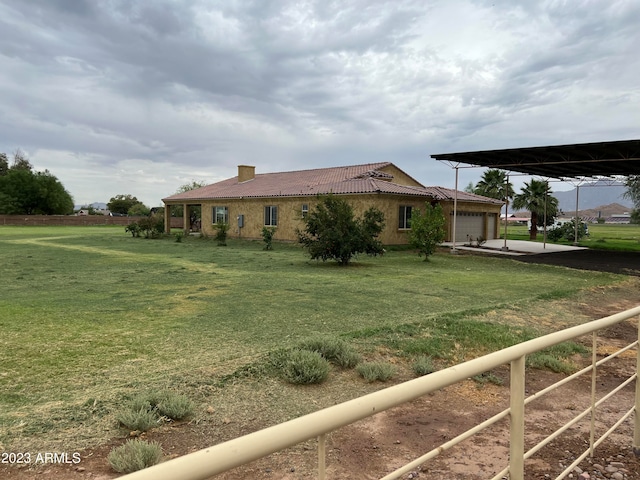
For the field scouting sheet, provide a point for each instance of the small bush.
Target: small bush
(179, 236)
(376, 371)
(423, 366)
(141, 419)
(174, 406)
(134, 229)
(134, 455)
(144, 411)
(222, 229)
(302, 367)
(488, 377)
(267, 237)
(152, 226)
(549, 362)
(334, 350)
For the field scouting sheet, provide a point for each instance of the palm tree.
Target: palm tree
(532, 198)
(493, 184)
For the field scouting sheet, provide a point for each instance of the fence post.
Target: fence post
(636, 416)
(516, 448)
(594, 360)
(322, 451)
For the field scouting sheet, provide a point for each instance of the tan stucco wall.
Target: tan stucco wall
(290, 214)
(399, 176)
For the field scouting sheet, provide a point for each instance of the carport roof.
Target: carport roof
(578, 160)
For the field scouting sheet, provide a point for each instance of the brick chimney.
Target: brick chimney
(246, 173)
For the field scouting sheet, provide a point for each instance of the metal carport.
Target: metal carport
(574, 161)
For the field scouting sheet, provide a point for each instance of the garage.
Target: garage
(469, 226)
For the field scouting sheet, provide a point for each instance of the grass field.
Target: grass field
(601, 236)
(89, 316)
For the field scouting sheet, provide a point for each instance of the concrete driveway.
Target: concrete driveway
(516, 247)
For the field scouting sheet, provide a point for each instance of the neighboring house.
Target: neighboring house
(250, 202)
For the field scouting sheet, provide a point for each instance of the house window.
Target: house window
(305, 210)
(404, 217)
(271, 216)
(220, 215)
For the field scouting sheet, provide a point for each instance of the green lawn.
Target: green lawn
(89, 315)
(601, 236)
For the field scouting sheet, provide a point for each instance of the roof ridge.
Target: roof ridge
(355, 165)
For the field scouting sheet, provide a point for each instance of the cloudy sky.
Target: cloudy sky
(140, 97)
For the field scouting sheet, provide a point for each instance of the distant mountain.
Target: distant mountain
(593, 195)
(604, 211)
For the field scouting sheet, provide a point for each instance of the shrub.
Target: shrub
(267, 237)
(376, 371)
(334, 350)
(179, 236)
(567, 231)
(134, 455)
(152, 226)
(222, 229)
(488, 377)
(142, 418)
(423, 366)
(331, 231)
(302, 367)
(173, 405)
(427, 229)
(134, 229)
(144, 411)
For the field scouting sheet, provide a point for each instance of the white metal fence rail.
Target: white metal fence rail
(228, 455)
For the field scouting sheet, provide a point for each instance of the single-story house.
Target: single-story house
(250, 201)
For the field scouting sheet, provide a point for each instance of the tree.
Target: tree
(122, 203)
(25, 192)
(333, 233)
(138, 210)
(470, 188)
(633, 190)
(4, 164)
(493, 184)
(532, 198)
(427, 229)
(20, 161)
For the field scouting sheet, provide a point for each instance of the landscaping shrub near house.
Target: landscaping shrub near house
(134, 455)
(222, 230)
(267, 237)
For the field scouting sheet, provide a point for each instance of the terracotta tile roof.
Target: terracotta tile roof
(353, 179)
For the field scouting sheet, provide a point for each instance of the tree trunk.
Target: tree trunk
(533, 233)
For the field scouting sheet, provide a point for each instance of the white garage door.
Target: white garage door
(469, 225)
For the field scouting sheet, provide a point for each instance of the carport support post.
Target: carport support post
(455, 214)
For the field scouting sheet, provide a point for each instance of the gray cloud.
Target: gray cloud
(168, 91)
